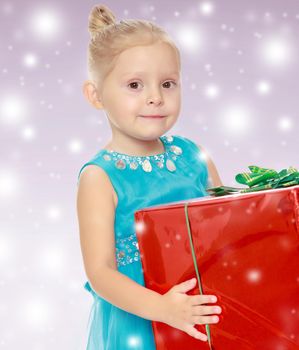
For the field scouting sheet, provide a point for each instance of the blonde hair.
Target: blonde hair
(109, 39)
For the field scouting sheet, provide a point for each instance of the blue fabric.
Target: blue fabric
(109, 327)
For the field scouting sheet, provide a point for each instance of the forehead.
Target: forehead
(159, 57)
(148, 72)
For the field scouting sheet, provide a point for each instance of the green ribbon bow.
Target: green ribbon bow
(259, 179)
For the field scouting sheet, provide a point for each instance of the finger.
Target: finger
(206, 310)
(193, 332)
(205, 319)
(202, 299)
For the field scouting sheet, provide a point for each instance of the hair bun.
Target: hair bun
(100, 16)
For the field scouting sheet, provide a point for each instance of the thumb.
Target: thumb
(186, 285)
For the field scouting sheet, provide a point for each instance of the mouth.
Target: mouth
(153, 116)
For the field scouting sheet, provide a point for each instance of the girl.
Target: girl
(134, 70)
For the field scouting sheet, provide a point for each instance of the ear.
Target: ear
(91, 94)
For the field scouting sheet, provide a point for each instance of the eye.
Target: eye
(168, 82)
(134, 85)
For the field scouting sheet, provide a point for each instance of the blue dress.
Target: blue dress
(179, 173)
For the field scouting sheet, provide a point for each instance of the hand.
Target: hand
(183, 311)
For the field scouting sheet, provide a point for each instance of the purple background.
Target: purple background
(240, 96)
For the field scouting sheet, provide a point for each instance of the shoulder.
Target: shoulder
(187, 142)
(213, 175)
(182, 139)
(214, 178)
(93, 179)
(92, 172)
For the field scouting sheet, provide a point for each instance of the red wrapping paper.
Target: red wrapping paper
(247, 254)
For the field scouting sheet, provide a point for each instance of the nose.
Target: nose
(155, 97)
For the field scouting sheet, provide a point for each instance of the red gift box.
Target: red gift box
(245, 251)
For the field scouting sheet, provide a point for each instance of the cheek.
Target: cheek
(131, 101)
(176, 100)
(124, 101)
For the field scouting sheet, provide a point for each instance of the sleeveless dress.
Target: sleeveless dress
(180, 173)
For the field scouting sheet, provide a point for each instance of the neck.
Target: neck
(135, 147)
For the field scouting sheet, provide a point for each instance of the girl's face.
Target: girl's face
(145, 81)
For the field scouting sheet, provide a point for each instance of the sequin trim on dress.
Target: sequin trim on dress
(127, 250)
(166, 159)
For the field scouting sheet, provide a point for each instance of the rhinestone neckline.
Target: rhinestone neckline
(141, 157)
(161, 160)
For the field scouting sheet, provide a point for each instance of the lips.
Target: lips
(153, 116)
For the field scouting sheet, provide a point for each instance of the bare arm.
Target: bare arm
(214, 178)
(96, 210)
